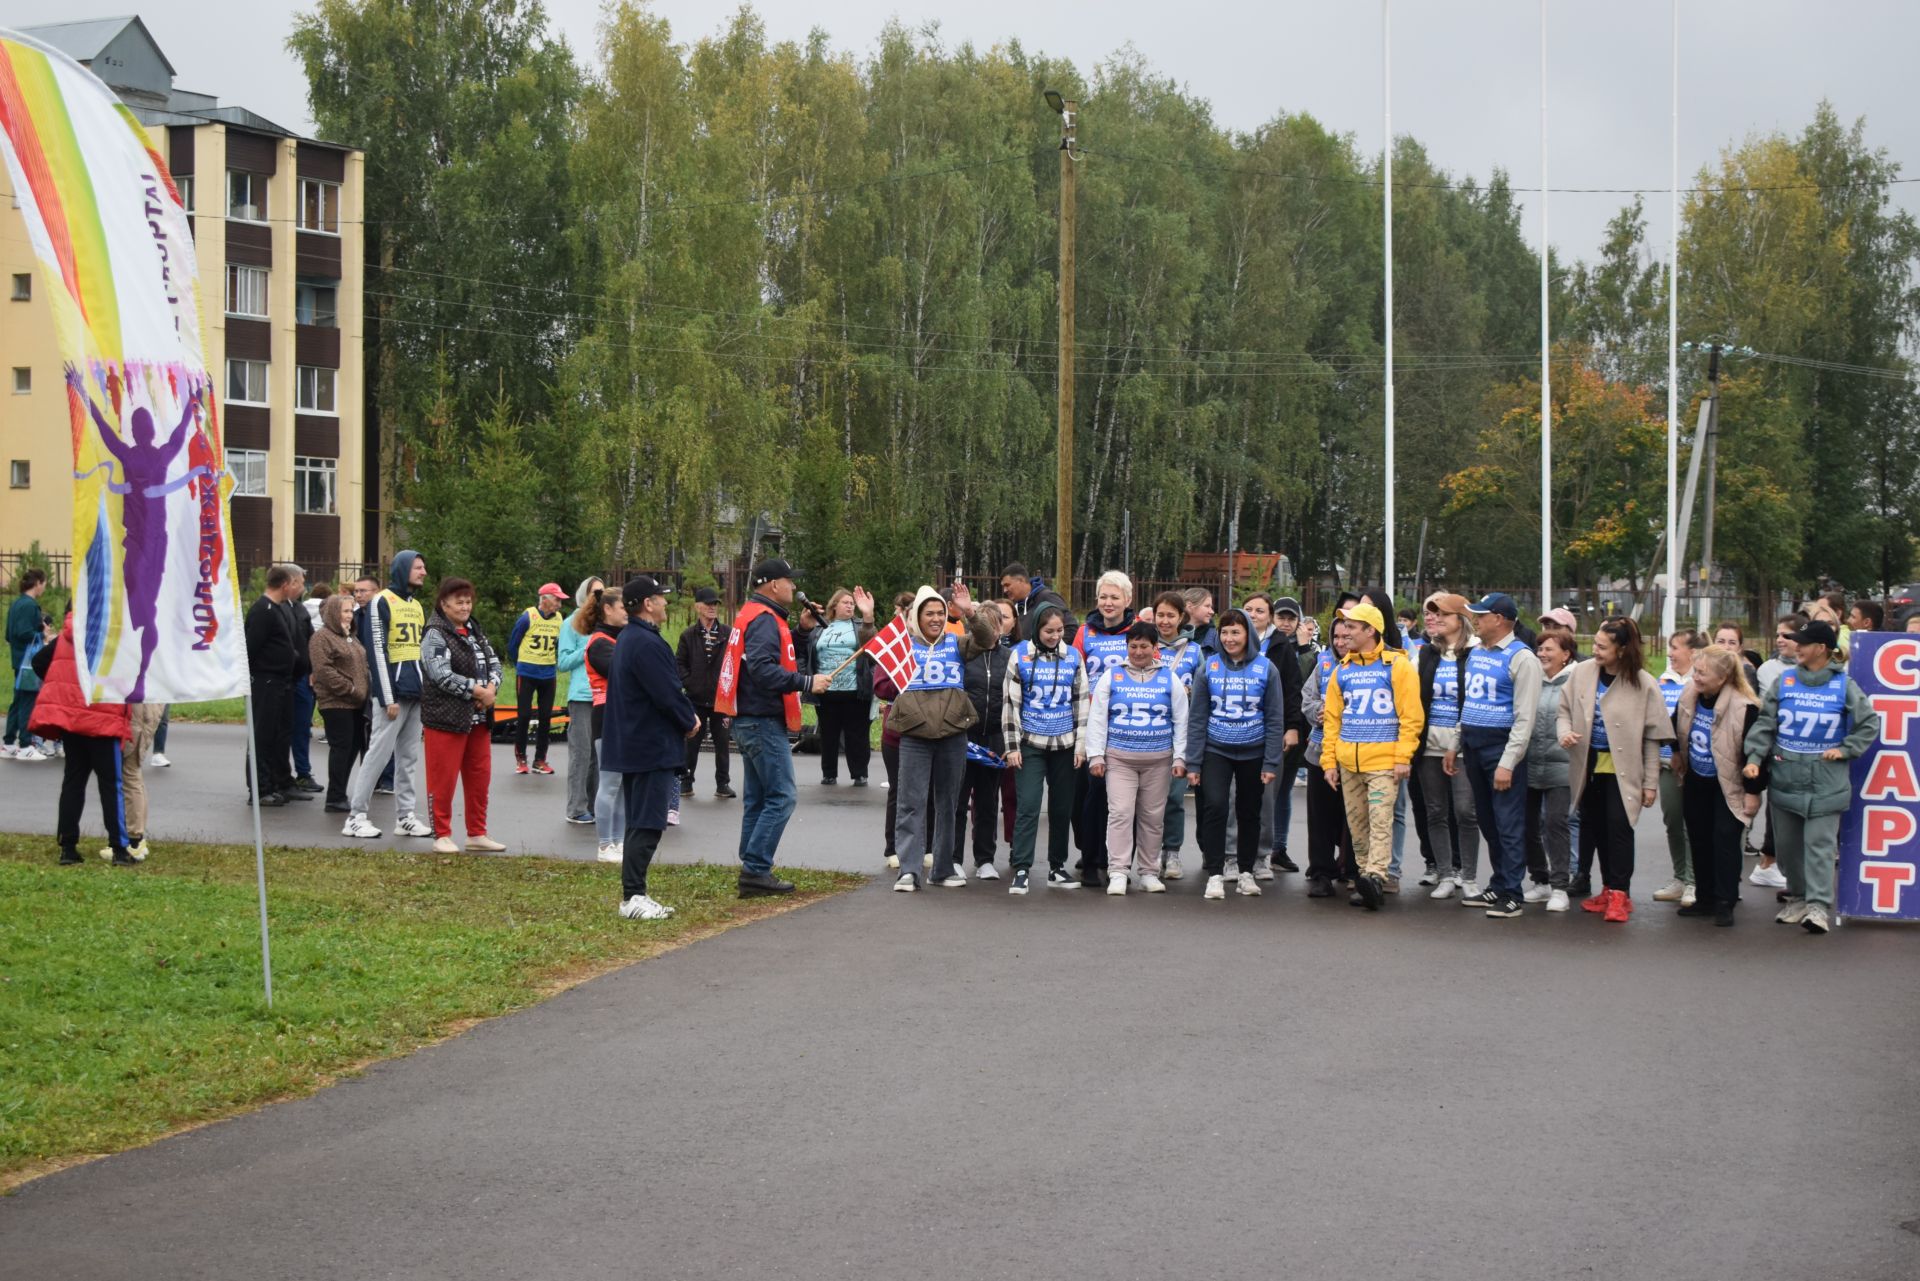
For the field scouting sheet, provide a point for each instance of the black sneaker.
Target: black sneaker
(1487, 899)
(1019, 885)
(1319, 887)
(305, 783)
(1504, 905)
(1057, 879)
(1372, 892)
(1355, 900)
(123, 859)
(686, 787)
(755, 884)
(272, 799)
(859, 782)
(724, 792)
(1281, 863)
(70, 858)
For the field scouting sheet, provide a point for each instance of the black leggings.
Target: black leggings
(343, 747)
(1714, 835)
(531, 691)
(844, 724)
(1604, 827)
(1217, 774)
(1329, 844)
(99, 757)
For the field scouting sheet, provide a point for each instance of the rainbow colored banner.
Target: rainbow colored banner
(156, 605)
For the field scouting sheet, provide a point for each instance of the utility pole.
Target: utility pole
(1386, 232)
(1069, 113)
(1712, 446)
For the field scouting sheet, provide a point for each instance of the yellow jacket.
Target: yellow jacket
(1366, 758)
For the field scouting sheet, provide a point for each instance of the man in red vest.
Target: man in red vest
(759, 687)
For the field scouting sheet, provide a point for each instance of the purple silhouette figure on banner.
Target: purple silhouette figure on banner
(143, 471)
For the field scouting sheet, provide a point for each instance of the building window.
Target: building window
(314, 302)
(22, 380)
(313, 486)
(320, 206)
(23, 286)
(20, 474)
(246, 291)
(246, 196)
(247, 382)
(248, 467)
(183, 183)
(313, 389)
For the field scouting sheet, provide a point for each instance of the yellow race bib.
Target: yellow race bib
(406, 624)
(540, 647)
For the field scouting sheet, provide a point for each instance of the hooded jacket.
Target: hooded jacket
(391, 681)
(62, 709)
(1799, 783)
(1369, 758)
(940, 713)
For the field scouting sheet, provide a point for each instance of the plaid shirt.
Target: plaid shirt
(1017, 737)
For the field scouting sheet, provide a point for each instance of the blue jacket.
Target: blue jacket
(573, 654)
(646, 718)
(763, 681)
(390, 681)
(532, 671)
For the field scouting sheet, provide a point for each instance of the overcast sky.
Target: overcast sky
(1466, 78)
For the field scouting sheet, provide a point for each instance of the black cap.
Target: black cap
(705, 596)
(641, 586)
(1287, 605)
(768, 570)
(1496, 603)
(1817, 632)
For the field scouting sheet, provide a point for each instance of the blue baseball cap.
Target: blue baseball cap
(1496, 603)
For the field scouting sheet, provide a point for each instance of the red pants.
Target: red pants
(463, 758)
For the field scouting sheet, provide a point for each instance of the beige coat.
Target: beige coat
(1729, 738)
(1634, 714)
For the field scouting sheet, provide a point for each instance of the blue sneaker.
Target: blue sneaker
(580, 819)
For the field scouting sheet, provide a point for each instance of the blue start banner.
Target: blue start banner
(1880, 835)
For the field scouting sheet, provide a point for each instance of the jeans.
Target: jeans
(767, 761)
(1399, 828)
(930, 774)
(1281, 792)
(1050, 771)
(1502, 815)
(609, 806)
(160, 735)
(302, 737)
(1450, 818)
(720, 728)
(1173, 828)
(583, 763)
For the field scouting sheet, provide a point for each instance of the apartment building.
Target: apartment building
(277, 231)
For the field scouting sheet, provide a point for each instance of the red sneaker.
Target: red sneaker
(541, 767)
(1619, 907)
(519, 766)
(1598, 903)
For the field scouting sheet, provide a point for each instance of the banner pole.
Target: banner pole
(259, 852)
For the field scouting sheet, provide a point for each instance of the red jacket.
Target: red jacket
(63, 710)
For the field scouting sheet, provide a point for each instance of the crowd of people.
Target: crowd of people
(1456, 721)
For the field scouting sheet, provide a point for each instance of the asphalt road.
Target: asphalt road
(961, 1084)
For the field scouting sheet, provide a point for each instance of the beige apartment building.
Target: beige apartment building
(277, 230)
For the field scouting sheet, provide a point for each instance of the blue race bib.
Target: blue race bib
(1445, 712)
(1140, 713)
(940, 665)
(1489, 698)
(1813, 718)
(1700, 742)
(1367, 711)
(1046, 691)
(1236, 702)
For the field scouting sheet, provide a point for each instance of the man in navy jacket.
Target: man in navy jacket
(643, 733)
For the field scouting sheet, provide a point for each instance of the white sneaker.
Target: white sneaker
(1469, 891)
(1794, 912)
(30, 753)
(357, 825)
(1689, 897)
(954, 882)
(673, 820)
(138, 853)
(1446, 888)
(445, 845)
(1536, 893)
(159, 761)
(1432, 877)
(1216, 887)
(987, 872)
(926, 861)
(893, 862)
(1670, 892)
(410, 825)
(484, 844)
(8, 751)
(1116, 884)
(958, 871)
(1558, 901)
(1262, 868)
(1172, 871)
(610, 853)
(1232, 867)
(907, 884)
(642, 908)
(1152, 884)
(1769, 877)
(1250, 885)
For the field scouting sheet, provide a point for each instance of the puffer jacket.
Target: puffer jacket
(941, 713)
(1369, 758)
(63, 709)
(1800, 783)
(452, 665)
(1547, 764)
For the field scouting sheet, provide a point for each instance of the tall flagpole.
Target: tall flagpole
(1386, 186)
(1546, 374)
(259, 852)
(1670, 601)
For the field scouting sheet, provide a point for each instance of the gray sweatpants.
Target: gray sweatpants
(928, 763)
(583, 767)
(393, 737)
(1806, 848)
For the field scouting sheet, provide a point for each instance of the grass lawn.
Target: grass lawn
(130, 1001)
